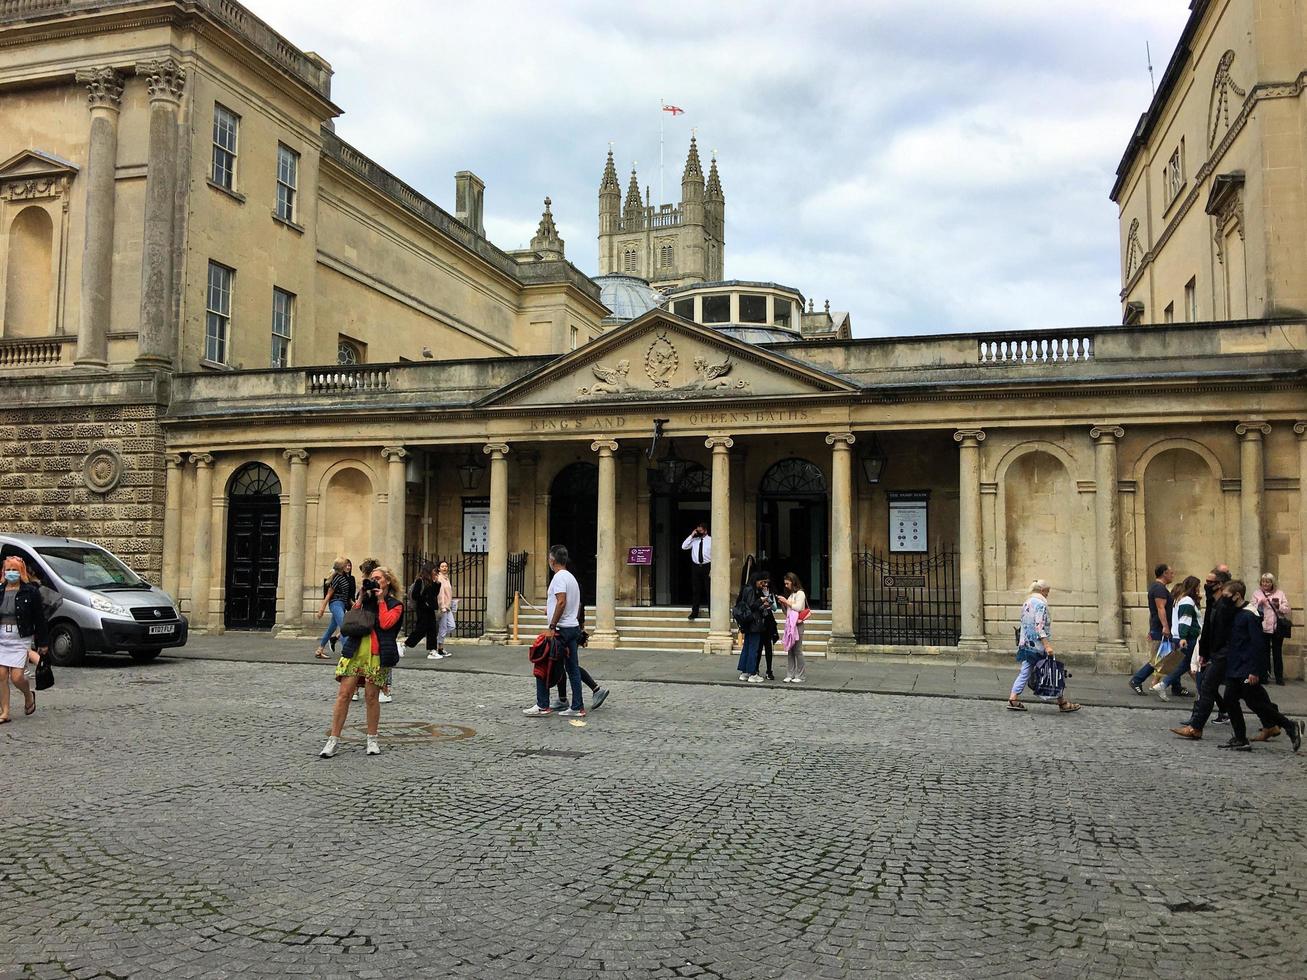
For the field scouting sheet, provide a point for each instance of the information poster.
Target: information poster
(907, 521)
(476, 525)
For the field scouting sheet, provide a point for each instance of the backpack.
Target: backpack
(1048, 678)
(326, 587)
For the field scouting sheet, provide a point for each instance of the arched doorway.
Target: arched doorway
(675, 512)
(793, 522)
(574, 521)
(253, 544)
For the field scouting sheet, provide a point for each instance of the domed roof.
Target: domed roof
(627, 296)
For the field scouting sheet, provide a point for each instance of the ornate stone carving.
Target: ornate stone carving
(712, 377)
(295, 456)
(102, 469)
(719, 442)
(661, 361)
(1253, 430)
(495, 449)
(164, 78)
(1106, 433)
(393, 454)
(604, 447)
(1134, 252)
(202, 459)
(1300, 429)
(966, 436)
(104, 86)
(608, 380)
(838, 439)
(1218, 111)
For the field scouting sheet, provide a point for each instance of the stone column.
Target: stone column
(201, 559)
(605, 631)
(1300, 428)
(165, 79)
(297, 514)
(172, 523)
(105, 88)
(1252, 481)
(396, 505)
(719, 619)
(1107, 539)
(971, 545)
(496, 628)
(843, 601)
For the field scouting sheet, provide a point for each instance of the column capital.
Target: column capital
(104, 87)
(164, 78)
(174, 459)
(719, 443)
(202, 459)
(969, 437)
(394, 454)
(1300, 428)
(604, 447)
(300, 456)
(1253, 430)
(1106, 433)
(841, 440)
(495, 450)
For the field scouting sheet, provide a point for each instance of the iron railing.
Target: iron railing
(909, 599)
(467, 578)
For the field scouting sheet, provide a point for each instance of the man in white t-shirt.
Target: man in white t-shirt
(564, 608)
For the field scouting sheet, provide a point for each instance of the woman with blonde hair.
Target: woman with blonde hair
(1034, 643)
(1277, 620)
(370, 664)
(22, 628)
(337, 596)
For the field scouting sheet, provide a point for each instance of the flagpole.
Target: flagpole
(661, 113)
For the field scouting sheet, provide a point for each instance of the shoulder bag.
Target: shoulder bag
(359, 622)
(44, 674)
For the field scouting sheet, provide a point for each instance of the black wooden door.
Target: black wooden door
(253, 543)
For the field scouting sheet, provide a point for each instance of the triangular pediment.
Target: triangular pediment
(30, 164)
(661, 358)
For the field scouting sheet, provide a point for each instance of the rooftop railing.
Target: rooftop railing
(1035, 350)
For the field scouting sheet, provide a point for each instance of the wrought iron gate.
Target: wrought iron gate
(909, 599)
(467, 577)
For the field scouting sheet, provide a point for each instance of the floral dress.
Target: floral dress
(365, 660)
(1036, 626)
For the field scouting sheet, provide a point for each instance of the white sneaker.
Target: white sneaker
(796, 680)
(329, 749)
(535, 711)
(786, 679)
(448, 654)
(401, 651)
(385, 698)
(355, 697)
(373, 747)
(435, 655)
(1161, 691)
(757, 679)
(744, 677)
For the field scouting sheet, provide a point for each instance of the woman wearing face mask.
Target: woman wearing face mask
(22, 626)
(444, 611)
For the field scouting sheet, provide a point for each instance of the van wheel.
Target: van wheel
(66, 647)
(143, 656)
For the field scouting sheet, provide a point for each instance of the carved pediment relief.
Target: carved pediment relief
(659, 358)
(1224, 91)
(31, 175)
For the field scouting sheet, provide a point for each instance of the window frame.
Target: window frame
(218, 341)
(288, 321)
(355, 347)
(1191, 300)
(287, 190)
(232, 153)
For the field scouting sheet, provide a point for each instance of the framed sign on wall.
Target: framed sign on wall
(908, 512)
(476, 525)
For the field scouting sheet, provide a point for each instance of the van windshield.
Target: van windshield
(90, 568)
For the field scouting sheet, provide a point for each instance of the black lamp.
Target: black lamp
(673, 467)
(873, 462)
(470, 470)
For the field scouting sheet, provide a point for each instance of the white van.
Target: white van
(104, 605)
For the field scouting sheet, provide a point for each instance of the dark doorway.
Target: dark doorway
(253, 546)
(794, 526)
(574, 521)
(675, 512)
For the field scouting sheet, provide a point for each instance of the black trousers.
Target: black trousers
(1255, 696)
(424, 628)
(1277, 656)
(699, 585)
(586, 679)
(1209, 693)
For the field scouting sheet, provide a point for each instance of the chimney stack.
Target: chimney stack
(469, 200)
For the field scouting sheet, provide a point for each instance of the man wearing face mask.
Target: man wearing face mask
(22, 626)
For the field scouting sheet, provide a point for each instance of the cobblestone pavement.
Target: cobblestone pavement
(172, 819)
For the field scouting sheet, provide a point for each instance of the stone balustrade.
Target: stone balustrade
(346, 379)
(1035, 350)
(30, 353)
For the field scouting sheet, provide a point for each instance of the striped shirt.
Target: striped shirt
(340, 588)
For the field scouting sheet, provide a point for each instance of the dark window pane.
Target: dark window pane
(684, 308)
(753, 309)
(717, 309)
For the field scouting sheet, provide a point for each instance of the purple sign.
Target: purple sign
(639, 556)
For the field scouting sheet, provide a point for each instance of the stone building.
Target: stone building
(1212, 189)
(213, 361)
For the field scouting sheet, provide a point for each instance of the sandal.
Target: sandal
(321, 654)
(29, 708)
(1014, 705)
(1067, 706)
(5, 720)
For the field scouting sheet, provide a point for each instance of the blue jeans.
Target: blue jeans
(569, 635)
(749, 653)
(337, 607)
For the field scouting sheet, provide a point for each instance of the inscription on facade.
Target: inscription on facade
(581, 423)
(761, 415)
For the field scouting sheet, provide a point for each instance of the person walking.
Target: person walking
(1245, 674)
(421, 600)
(1159, 623)
(1035, 642)
(564, 605)
(372, 660)
(1212, 645)
(1277, 620)
(1185, 630)
(699, 545)
(751, 613)
(795, 602)
(337, 598)
(24, 634)
(444, 611)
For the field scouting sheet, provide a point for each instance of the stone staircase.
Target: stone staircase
(659, 629)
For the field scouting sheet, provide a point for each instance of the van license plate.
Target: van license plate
(161, 630)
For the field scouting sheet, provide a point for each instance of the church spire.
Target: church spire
(693, 169)
(714, 181)
(546, 240)
(634, 202)
(609, 181)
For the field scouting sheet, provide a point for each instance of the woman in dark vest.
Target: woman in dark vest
(22, 627)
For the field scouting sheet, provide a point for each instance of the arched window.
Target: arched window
(792, 477)
(347, 353)
(697, 480)
(665, 256)
(28, 281)
(254, 480)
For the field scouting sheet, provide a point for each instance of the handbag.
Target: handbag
(44, 675)
(1283, 626)
(804, 613)
(359, 621)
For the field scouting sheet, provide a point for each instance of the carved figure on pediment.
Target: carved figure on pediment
(661, 361)
(713, 377)
(608, 380)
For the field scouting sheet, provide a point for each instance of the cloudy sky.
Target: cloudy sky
(928, 165)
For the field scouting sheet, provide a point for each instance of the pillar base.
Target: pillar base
(284, 632)
(97, 363)
(160, 361)
(499, 636)
(841, 646)
(603, 640)
(973, 646)
(1113, 655)
(719, 644)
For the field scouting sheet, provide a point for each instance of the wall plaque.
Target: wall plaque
(907, 520)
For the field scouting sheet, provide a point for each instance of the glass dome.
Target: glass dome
(627, 296)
